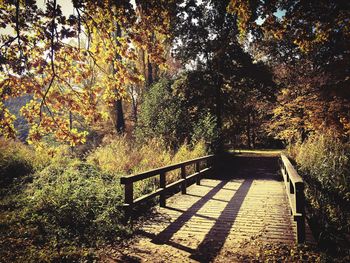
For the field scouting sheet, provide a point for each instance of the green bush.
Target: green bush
(75, 202)
(70, 206)
(15, 161)
(18, 160)
(206, 130)
(178, 111)
(324, 162)
(115, 156)
(326, 158)
(162, 115)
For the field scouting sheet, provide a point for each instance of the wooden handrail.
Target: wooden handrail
(128, 182)
(295, 192)
(148, 174)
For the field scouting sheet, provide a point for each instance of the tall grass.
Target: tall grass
(324, 162)
(119, 157)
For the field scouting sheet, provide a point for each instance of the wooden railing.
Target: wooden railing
(295, 192)
(128, 182)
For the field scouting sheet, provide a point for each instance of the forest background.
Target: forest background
(91, 91)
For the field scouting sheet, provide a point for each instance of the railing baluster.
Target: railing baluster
(162, 184)
(198, 178)
(291, 187)
(128, 181)
(129, 199)
(183, 176)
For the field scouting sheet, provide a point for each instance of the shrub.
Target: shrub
(75, 202)
(179, 110)
(162, 115)
(15, 161)
(324, 163)
(154, 154)
(206, 130)
(18, 159)
(187, 152)
(119, 156)
(73, 205)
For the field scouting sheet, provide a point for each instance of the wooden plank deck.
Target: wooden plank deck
(222, 215)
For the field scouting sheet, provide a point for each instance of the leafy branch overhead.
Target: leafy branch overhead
(70, 65)
(276, 69)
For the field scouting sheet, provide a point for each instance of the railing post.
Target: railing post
(129, 199)
(162, 185)
(300, 208)
(198, 177)
(210, 163)
(183, 176)
(291, 187)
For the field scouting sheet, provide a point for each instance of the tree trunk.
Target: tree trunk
(118, 105)
(219, 84)
(248, 130)
(149, 72)
(71, 127)
(253, 130)
(134, 105)
(120, 122)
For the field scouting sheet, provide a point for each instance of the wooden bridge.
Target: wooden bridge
(224, 208)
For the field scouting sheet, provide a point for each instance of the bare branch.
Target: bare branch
(52, 51)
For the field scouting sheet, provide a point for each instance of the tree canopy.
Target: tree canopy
(70, 64)
(307, 44)
(268, 68)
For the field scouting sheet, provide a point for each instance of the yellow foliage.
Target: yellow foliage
(74, 79)
(243, 11)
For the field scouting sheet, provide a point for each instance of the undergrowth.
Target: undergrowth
(15, 161)
(56, 207)
(324, 163)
